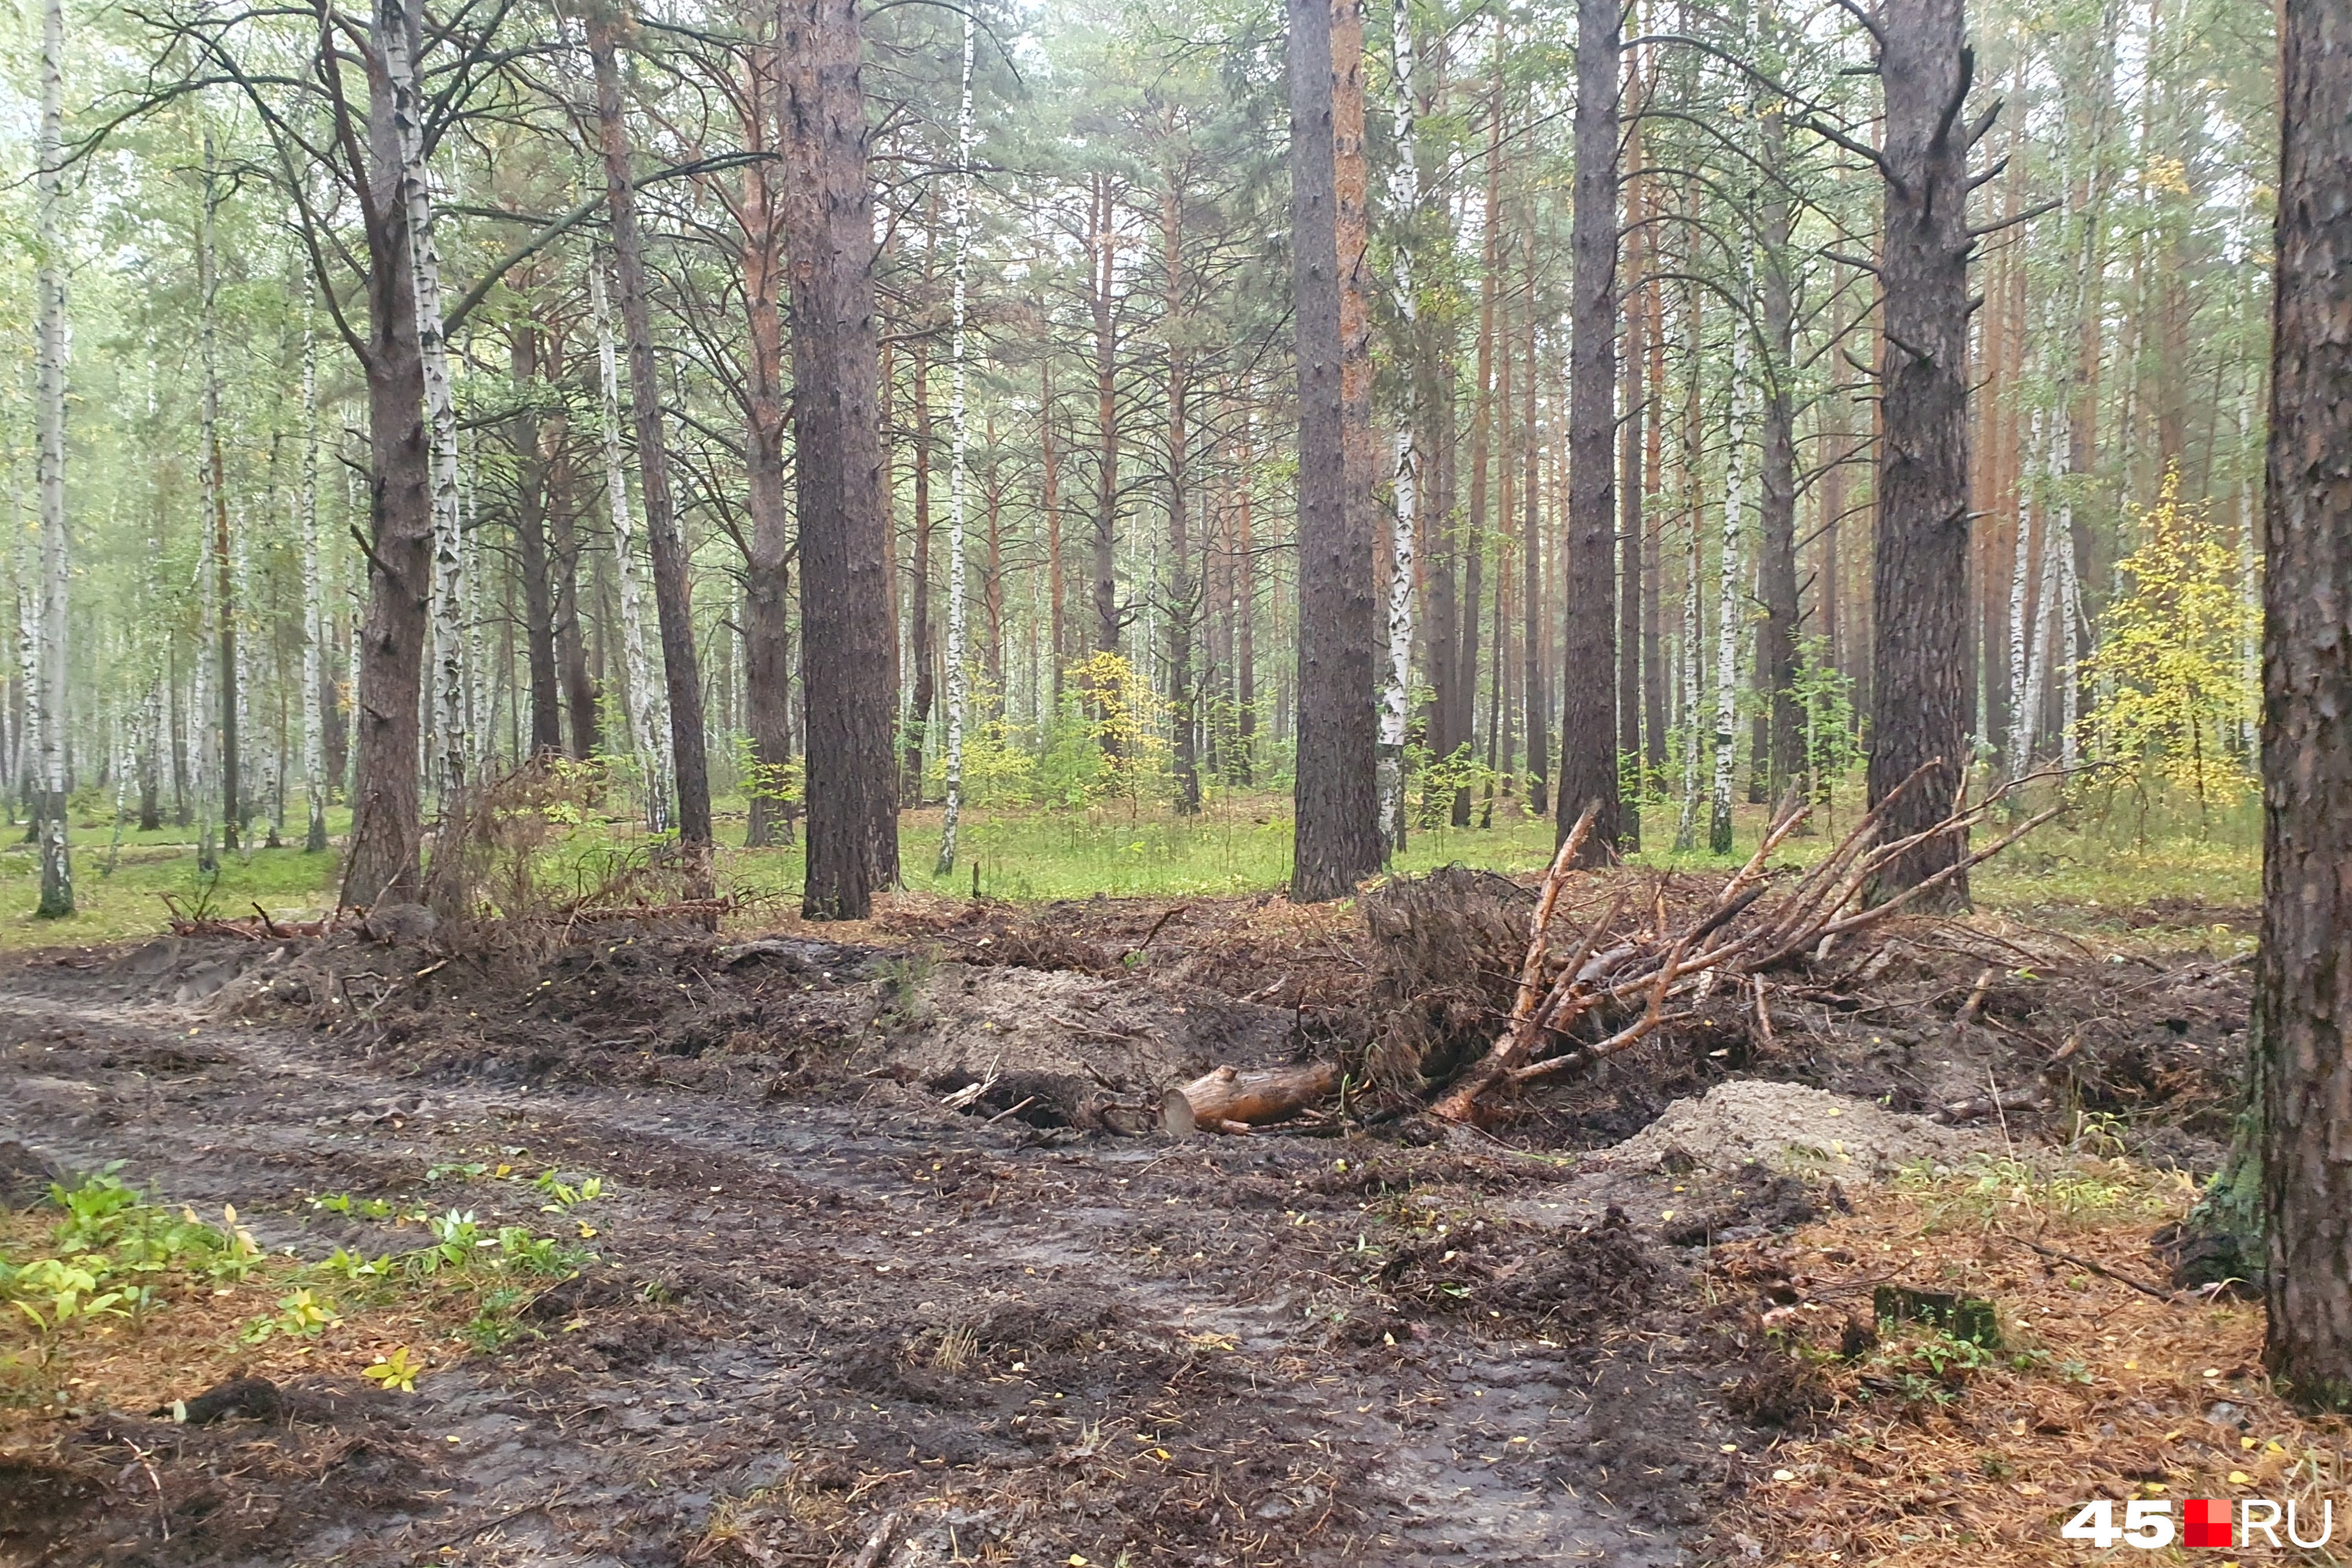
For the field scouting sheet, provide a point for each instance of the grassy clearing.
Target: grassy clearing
(2094, 868)
(1933, 1449)
(114, 1299)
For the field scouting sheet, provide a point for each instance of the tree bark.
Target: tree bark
(1337, 837)
(847, 642)
(216, 511)
(530, 544)
(1535, 633)
(1184, 600)
(563, 566)
(1396, 692)
(49, 388)
(673, 606)
(2302, 991)
(1102, 242)
(641, 698)
(1776, 518)
(382, 863)
(958, 481)
(767, 585)
(1629, 509)
(1228, 1099)
(1587, 725)
(1919, 572)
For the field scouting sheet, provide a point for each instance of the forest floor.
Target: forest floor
(644, 1245)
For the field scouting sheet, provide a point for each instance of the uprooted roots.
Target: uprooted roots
(1623, 982)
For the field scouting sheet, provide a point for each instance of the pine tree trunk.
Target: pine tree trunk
(1629, 519)
(672, 607)
(1101, 245)
(564, 566)
(1919, 595)
(385, 807)
(1184, 600)
(531, 543)
(1057, 581)
(1535, 632)
(49, 395)
(402, 69)
(767, 585)
(1588, 726)
(846, 638)
(1337, 829)
(2302, 993)
(1777, 519)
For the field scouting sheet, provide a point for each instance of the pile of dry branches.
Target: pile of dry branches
(1616, 988)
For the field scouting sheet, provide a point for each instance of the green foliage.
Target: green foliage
(2173, 686)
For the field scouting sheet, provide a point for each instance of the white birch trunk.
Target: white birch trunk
(2023, 718)
(448, 686)
(1396, 692)
(2249, 586)
(27, 772)
(647, 708)
(203, 717)
(959, 679)
(305, 523)
(2070, 615)
(1692, 659)
(2044, 645)
(1728, 619)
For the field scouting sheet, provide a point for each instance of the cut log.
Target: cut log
(1228, 1099)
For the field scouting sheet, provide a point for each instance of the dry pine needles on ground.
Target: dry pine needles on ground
(2099, 1389)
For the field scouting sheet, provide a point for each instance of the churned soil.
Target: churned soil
(887, 1253)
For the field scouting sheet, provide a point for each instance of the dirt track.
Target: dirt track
(1170, 1356)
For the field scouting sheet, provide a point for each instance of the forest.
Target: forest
(1574, 770)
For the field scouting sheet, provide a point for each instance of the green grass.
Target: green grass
(2089, 870)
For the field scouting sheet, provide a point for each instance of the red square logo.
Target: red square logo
(2205, 1522)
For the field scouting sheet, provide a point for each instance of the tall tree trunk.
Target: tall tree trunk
(531, 543)
(385, 807)
(1183, 599)
(1101, 248)
(1587, 725)
(672, 606)
(847, 639)
(640, 696)
(1057, 588)
(216, 507)
(1337, 828)
(1629, 507)
(2302, 991)
(1245, 610)
(1777, 519)
(920, 649)
(1730, 589)
(1404, 474)
(403, 72)
(1654, 673)
(767, 585)
(1535, 633)
(959, 475)
(563, 564)
(314, 613)
(49, 394)
(1919, 590)
(1476, 528)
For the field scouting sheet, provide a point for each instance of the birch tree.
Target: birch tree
(647, 714)
(50, 395)
(958, 677)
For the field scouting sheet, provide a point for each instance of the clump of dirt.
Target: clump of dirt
(1789, 1127)
(1569, 1286)
(1761, 1200)
(1065, 1048)
(291, 1460)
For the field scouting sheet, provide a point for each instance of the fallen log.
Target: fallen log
(1228, 1099)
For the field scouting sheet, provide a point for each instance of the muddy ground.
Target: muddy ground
(886, 1257)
